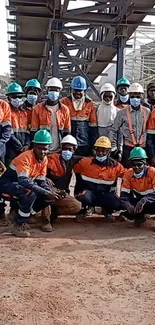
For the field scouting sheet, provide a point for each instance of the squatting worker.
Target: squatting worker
(25, 180)
(131, 123)
(138, 188)
(20, 133)
(122, 89)
(52, 115)
(83, 116)
(98, 175)
(60, 167)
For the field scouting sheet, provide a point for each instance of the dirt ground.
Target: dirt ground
(81, 274)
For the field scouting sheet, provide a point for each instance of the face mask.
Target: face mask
(53, 95)
(32, 99)
(140, 174)
(135, 102)
(101, 159)
(124, 99)
(66, 155)
(16, 102)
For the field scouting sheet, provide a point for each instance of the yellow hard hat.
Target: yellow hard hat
(103, 142)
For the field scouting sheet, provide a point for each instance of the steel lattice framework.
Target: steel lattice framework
(45, 36)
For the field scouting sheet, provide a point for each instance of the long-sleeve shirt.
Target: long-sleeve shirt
(143, 188)
(5, 125)
(151, 135)
(121, 124)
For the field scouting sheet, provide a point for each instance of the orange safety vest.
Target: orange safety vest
(133, 138)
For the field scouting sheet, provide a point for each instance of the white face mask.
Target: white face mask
(78, 103)
(140, 174)
(110, 102)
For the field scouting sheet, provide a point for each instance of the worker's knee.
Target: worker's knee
(86, 198)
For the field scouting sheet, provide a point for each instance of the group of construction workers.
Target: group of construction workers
(109, 146)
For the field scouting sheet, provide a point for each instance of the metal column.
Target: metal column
(56, 48)
(120, 58)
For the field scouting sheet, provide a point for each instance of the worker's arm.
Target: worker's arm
(92, 125)
(150, 142)
(15, 143)
(35, 124)
(67, 123)
(6, 123)
(116, 130)
(126, 189)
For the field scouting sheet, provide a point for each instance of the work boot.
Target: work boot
(46, 227)
(139, 221)
(3, 221)
(20, 230)
(83, 213)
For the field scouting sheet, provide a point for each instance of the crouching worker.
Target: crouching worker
(98, 175)
(138, 188)
(60, 166)
(25, 180)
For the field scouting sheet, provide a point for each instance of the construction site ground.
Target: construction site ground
(93, 273)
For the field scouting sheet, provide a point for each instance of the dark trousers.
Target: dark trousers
(106, 200)
(83, 151)
(27, 200)
(148, 208)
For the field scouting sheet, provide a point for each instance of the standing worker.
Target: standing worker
(151, 94)
(32, 91)
(98, 175)
(20, 135)
(83, 116)
(131, 122)
(106, 111)
(52, 115)
(25, 179)
(138, 188)
(122, 88)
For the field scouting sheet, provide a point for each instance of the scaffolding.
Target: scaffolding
(140, 62)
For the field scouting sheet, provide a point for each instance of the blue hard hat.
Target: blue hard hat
(79, 83)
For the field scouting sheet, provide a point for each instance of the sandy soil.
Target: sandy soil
(81, 274)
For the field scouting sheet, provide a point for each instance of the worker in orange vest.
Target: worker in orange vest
(20, 134)
(83, 116)
(131, 123)
(97, 176)
(151, 94)
(52, 115)
(138, 188)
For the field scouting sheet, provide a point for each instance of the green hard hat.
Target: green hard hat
(33, 83)
(123, 81)
(42, 137)
(14, 88)
(138, 153)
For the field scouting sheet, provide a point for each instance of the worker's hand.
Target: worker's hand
(25, 148)
(139, 207)
(61, 193)
(53, 196)
(130, 208)
(153, 162)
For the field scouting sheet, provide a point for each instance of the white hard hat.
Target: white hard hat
(54, 82)
(69, 139)
(136, 88)
(107, 87)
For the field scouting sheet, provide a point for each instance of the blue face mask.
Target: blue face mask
(66, 155)
(53, 95)
(101, 159)
(32, 99)
(124, 99)
(135, 102)
(16, 102)
(140, 174)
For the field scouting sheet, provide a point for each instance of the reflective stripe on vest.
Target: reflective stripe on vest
(134, 142)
